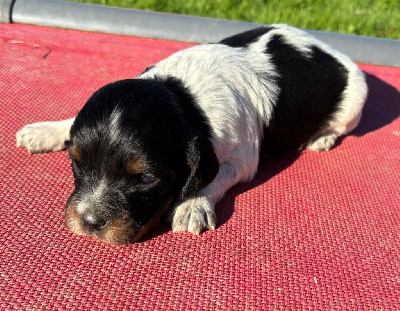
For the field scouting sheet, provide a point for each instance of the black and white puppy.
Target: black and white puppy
(177, 137)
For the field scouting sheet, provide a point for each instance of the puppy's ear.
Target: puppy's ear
(203, 164)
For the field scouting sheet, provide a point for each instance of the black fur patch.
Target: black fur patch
(310, 86)
(244, 39)
(191, 110)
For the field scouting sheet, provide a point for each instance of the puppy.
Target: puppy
(176, 138)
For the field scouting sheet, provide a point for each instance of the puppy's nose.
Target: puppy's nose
(93, 222)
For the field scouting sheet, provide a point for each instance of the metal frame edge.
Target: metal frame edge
(88, 17)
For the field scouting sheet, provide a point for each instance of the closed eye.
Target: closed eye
(146, 179)
(143, 181)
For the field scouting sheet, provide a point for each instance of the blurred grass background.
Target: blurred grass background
(375, 18)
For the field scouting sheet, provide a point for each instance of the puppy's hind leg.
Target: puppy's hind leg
(44, 136)
(326, 140)
(323, 142)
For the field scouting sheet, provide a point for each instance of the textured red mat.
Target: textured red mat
(319, 231)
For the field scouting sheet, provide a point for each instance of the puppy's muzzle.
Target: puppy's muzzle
(113, 229)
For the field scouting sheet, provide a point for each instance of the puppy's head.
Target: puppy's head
(137, 147)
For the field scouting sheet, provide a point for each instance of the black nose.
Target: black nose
(93, 222)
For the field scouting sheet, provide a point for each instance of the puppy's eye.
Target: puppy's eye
(146, 179)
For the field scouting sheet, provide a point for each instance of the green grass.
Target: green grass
(376, 18)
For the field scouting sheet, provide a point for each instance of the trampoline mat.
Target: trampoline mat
(311, 231)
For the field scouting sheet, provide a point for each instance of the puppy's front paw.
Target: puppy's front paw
(194, 215)
(42, 137)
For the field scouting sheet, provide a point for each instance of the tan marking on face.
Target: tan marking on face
(73, 220)
(136, 166)
(75, 153)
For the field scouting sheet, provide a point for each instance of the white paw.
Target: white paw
(322, 143)
(43, 136)
(194, 215)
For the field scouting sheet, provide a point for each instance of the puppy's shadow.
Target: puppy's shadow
(267, 168)
(381, 108)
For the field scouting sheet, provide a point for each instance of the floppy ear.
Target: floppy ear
(203, 164)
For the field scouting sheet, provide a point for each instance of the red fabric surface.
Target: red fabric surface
(315, 231)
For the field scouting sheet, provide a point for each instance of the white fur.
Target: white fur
(114, 132)
(237, 104)
(94, 196)
(235, 101)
